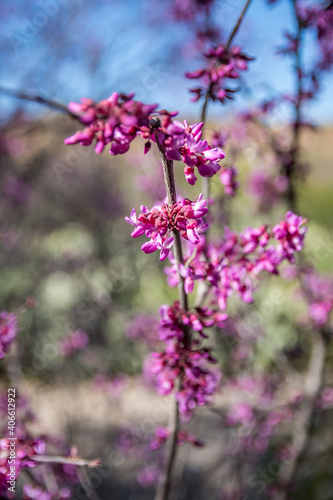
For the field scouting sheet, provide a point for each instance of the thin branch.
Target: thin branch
(206, 181)
(303, 423)
(164, 485)
(237, 26)
(18, 94)
(79, 462)
(295, 144)
(86, 484)
(314, 377)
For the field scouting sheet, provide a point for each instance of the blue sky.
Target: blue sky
(57, 59)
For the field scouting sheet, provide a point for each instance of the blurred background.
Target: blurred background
(64, 240)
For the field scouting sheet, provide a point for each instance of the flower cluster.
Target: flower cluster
(75, 341)
(157, 224)
(267, 188)
(233, 264)
(8, 330)
(116, 121)
(228, 178)
(174, 321)
(186, 10)
(256, 412)
(188, 365)
(290, 235)
(318, 292)
(119, 119)
(24, 450)
(222, 64)
(162, 434)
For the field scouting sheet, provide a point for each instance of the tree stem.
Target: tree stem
(164, 484)
(295, 144)
(315, 372)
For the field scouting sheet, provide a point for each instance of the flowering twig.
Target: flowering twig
(237, 25)
(314, 377)
(79, 462)
(164, 484)
(206, 181)
(170, 187)
(298, 118)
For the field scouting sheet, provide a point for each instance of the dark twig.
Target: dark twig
(39, 99)
(237, 25)
(295, 145)
(315, 372)
(206, 181)
(304, 419)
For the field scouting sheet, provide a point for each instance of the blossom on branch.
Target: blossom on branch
(158, 223)
(223, 64)
(119, 119)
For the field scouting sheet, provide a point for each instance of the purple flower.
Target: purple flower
(8, 331)
(222, 65)
(228, 178)
(159, 222)
(75, 341)
(290, 234)
(119, 120)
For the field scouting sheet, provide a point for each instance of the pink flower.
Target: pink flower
(158, 223)
(8, 331)
(222, 64)
(75, 341)
(228, 179)
(319, 311)
(119, 119)
(290, 234)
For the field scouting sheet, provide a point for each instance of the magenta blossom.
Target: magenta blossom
(222, 64)
(75, 341)
(119, 119)
(198, 383)
(8, 331)
(290, 234)
(233, 265)
(228, 178)
(157, 224)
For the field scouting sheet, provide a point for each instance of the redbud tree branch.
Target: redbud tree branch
(314, 377)
(79, 462)
(295, 144)
(164, 484)
(206, 181)
(303, 422)
(19, 94)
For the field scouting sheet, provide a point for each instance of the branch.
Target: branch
(39, 99)
(79, 462)
(303, 423)
(237, 25)
(295, 144)
(163, 488)
(314, 377)
(206, 181)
